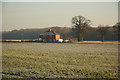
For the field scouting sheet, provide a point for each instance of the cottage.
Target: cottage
(49, 36)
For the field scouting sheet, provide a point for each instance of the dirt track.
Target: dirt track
(99, 42)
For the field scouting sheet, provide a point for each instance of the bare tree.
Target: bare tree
(80, 26)
(102, 31)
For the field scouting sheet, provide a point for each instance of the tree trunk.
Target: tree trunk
(102, 38)
(80, 37)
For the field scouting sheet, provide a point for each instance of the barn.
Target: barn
(49, 36)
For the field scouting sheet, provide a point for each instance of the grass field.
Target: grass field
(55, 60)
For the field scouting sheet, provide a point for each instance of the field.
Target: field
(55, 60)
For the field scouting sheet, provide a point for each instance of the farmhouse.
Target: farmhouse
(49, 36)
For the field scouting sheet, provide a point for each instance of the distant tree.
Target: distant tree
(80, 26)
(14, 30)
(102, 30)
(65, 36)
(117, 27)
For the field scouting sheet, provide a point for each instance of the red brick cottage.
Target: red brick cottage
(49, 36)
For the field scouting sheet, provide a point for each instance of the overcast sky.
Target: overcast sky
(22, 15)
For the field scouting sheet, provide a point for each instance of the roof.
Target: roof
(49, 32)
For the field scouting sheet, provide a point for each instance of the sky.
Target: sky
(22, 15)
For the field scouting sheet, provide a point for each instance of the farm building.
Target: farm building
(49, 36)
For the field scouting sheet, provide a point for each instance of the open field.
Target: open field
(54, 60)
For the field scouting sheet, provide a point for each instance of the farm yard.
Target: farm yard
(59, 60)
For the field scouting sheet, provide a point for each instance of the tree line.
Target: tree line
(81, 25)
(81, 30)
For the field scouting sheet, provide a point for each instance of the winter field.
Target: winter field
(55, 60)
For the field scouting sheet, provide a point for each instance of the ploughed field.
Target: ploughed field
(59, 60)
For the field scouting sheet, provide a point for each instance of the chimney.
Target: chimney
(49, 30)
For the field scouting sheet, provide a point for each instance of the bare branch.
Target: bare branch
(80, 25)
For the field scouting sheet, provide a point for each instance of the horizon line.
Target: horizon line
(46, 27)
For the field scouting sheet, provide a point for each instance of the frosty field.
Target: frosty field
(55, 60)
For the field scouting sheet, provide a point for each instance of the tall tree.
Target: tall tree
(80, 26)
(102, 30)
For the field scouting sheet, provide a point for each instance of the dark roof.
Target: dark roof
(48, 32)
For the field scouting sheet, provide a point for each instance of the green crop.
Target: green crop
(55, 60)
